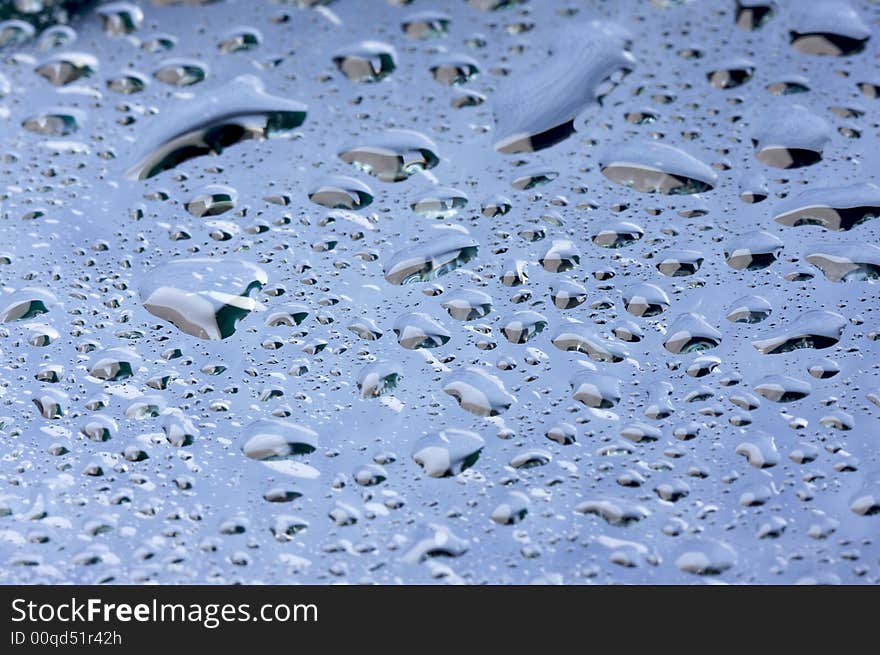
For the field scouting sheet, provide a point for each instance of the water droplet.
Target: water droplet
(448, 452)
(478, 392)
(394, 156)
(240, 110)
(201, 296)
(269, 439)
(368, 61)
(656, 168)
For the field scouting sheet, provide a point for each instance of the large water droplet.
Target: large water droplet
(656, 168)
(238, 111)
(203, 297)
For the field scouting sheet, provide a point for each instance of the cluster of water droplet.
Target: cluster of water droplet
(466, 291)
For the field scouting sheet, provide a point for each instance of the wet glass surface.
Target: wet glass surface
(454, 291)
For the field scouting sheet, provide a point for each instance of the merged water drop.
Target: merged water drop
(433, 259)
(240, 110)
(201, 296)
